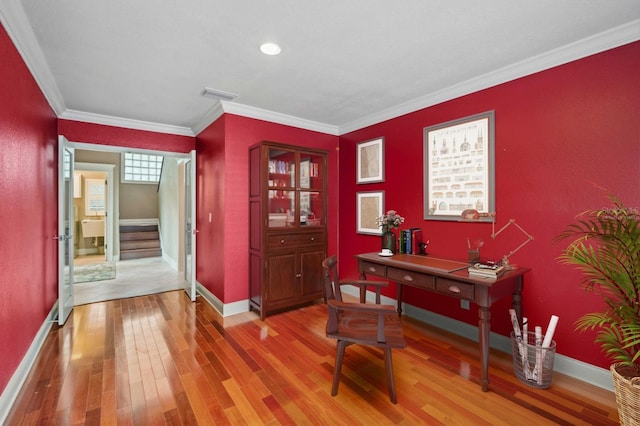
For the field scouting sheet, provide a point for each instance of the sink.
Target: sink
(92, 228)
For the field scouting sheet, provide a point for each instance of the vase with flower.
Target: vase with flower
(387, 223)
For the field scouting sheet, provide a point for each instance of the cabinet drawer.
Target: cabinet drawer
(455, 288)
(373, 269)
(283, 241)
(411, 278)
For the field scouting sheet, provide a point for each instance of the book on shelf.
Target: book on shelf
(487, 269)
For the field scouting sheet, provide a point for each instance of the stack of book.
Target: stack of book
(410, 240)
(490, 270)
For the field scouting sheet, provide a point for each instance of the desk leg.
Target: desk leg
(516, 300)
(363, 294)
(484, 329)
(399, 295)
(363, 290)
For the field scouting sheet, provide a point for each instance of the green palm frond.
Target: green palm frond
(632, 339)
(605, 248)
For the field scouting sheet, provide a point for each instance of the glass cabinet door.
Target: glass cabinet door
(281, 182)
(311, 204)
(295, 185)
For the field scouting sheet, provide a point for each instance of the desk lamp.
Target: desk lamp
(471, 214)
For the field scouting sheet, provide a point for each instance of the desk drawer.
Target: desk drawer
(373, 269)
(292, 241)
(455, 289)
(411, 278)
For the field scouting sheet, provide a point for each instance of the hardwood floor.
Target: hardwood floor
(160, 359)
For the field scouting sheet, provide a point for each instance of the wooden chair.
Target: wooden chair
(360, 323)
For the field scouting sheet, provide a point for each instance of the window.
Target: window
(141, 168)
(66, 164)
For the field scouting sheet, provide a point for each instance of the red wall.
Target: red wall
(558, 134)
(229, 189)
(77, 131)
(28, 205)
(210, 240)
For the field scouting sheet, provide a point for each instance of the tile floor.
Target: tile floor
(135, 277)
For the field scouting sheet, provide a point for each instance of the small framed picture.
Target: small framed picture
(370, 161)
(369, 207)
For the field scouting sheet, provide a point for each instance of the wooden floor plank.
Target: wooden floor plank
(161, 359)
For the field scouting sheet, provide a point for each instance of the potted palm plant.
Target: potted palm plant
(605, 247)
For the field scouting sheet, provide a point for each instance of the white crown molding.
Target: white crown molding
(276, 117)
(212, 115)
(597, 43)
(126, 123)
(17, 25)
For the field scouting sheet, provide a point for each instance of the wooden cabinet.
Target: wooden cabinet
(287, 226)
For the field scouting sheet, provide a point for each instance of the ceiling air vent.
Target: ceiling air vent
(218, 94)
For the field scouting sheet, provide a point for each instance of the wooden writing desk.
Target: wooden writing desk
(450, 278)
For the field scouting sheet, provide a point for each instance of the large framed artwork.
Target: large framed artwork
(370, 161)
(459, 168)
(369, 207)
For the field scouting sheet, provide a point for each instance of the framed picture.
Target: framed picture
(459, 168)
(369, 207)
(370, 161)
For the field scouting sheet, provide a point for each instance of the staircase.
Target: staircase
(138, 241)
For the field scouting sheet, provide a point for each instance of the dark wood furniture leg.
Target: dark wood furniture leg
(363, 290)
(399, 295)
(340, 347)
(516, 299)
(484, 326)
(388, 367)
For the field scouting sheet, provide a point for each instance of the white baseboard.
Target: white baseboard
(16, 382)
(234, 308)
(580, 370)
(170, 261)
(224, 309)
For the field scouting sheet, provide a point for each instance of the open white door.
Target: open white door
(66, 226)
(190, 223)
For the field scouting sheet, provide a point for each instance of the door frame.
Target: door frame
(115, 206)
(110, 217)
(189, 181)
(65, 235)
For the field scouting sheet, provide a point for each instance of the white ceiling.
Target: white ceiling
(344, 64)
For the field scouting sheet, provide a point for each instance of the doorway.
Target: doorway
(100, 249)
(93, 201)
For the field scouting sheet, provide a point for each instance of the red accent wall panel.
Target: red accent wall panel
(210, 241)
(28, 220)
(227, 180)
(559, 135)
(77, 131)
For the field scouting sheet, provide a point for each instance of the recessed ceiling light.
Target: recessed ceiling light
(270, 49)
